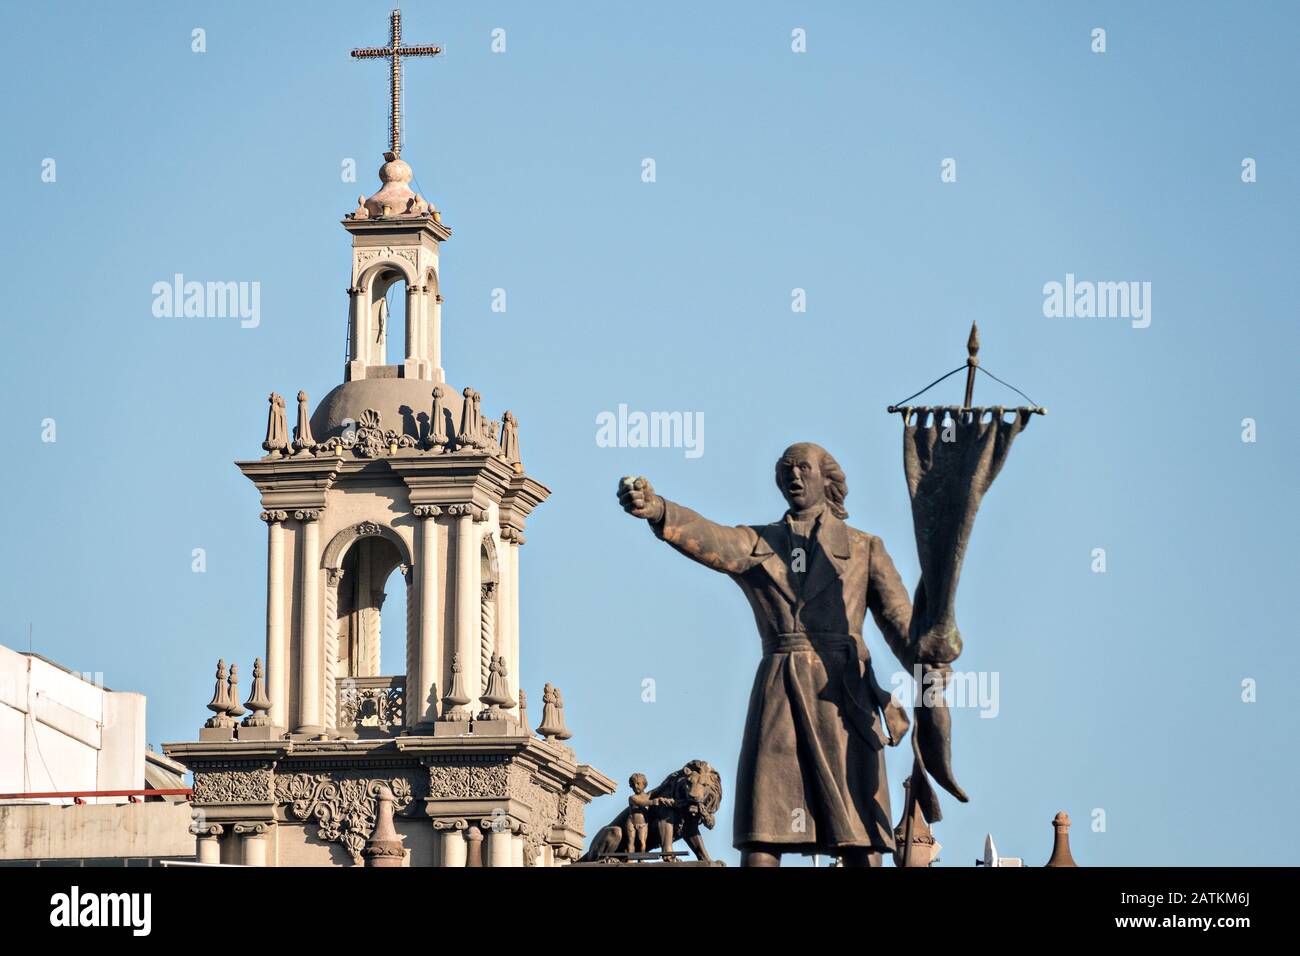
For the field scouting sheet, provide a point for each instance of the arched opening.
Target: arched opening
(367, 608)
(367, 566)
(388, 300)
(392, 654)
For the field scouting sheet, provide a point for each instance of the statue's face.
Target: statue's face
(799, 475)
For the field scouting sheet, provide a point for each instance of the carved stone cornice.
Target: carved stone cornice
(299, 481)
(471, 778)
(232, 781)
(521, 497)
(446, 479)
(271, 517)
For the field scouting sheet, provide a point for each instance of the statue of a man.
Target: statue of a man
(811, 776)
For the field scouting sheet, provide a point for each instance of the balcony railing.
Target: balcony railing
(372, 705)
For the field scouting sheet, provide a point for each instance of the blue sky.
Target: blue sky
(1119, 692)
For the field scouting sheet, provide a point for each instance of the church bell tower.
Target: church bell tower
(394, 469)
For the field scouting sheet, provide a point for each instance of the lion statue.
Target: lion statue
(674, 811)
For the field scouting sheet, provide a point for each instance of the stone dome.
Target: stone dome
(403, 404)
(395, 197)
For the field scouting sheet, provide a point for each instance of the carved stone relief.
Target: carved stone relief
(344, 807)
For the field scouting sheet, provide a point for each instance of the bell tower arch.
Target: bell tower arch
(396, 238)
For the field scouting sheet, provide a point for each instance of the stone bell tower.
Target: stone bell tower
(393, 469)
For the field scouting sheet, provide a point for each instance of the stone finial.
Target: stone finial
(479, 437)
(437, 425)
(258, 701)
(453, 704)
(465, 436)
(220, 703)
(277, 429)
(523, 709)
(474, 847)
(564, 733)
(552, 725)
(497, 695)
(361, 212)
(384, 846)
(302, 437)
(233, 707)
(510, 441)
(1061, 855)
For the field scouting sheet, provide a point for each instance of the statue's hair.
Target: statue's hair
(631, 781)
(837, 486)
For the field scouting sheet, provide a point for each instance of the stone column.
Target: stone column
(416, 365)
(367, 629)
(358, 326)
(517, 847)
(331, 641)
(451, 837)
(309, 672)
(488, 649)
(500, 852)
(254, 839)
(510, 645)
(422, 688)
(208, 843)
(468, 601)
(434, 325)
(277, 645)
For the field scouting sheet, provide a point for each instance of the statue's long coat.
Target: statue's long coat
(812, 773)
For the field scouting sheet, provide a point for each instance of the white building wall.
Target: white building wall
(61, 731)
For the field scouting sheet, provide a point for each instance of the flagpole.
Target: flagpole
(972, 363)
(908, 807)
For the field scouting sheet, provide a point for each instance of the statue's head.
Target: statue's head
(637, 782)
(808, 476)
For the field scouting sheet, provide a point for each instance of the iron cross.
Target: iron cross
(394, 53)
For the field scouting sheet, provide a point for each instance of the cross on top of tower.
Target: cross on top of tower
(394, 53)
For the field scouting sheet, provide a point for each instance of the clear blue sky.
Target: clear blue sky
(775, 170)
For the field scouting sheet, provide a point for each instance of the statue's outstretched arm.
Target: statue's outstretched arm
(890, 606)
(722, 548)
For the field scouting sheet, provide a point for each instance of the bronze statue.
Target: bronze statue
(811, 776)
(637, 806)
(687, 799)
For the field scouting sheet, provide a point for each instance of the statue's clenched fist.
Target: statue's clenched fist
(639, 499)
